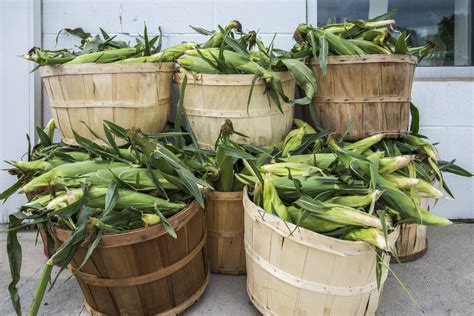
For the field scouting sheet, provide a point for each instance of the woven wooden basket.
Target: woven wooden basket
(130, 95)
(307, 273)
(225, 232)
(211, 99)
(373, 92)
(145, 271)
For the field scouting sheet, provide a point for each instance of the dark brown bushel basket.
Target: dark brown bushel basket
(373, 92)
(146, 271)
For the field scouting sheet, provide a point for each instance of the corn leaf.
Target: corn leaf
(415, 119)
(14, 258)
(303, 77)
(12, 189)
(166, 224)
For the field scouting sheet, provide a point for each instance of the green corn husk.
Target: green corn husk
(369, 47)
(196, 64)
(150, 219)
(356, 201)
(339, 214)
(362, 145)
(217, 38)
(167, 55)
(392, 164)
(103, 57)
(292, 141)
(307, 128)
(320, 160)
(284, 169)
(126, 198)
(312, 222)
(420, 185)
(38, 165)
(370, 235)
(271, 201)
(137, 178)
(225, 162)
(428, 148)
(234, 60)
(68, 170)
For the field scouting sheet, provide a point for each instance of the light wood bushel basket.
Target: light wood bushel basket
(373, 92)
(225, 232)
(130, 95)
(307, 273)
(146, 271)
(211, 99)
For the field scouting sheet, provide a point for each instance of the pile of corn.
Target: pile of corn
(356, 37)
(231, 51)
(104, 48)
(353, 191)
(96, 190)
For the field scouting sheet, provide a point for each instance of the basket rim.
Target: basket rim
(368, 58)
(91, 68)
(140, 235)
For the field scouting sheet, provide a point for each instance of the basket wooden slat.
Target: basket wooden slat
(372, 92)
(211, 99)
(225, 232)
(413, 242)
(307, 273)
(135, 95)
(145, 271)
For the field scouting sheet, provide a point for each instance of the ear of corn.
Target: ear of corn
(271, 201)
(68, 170)
(312, 222)
(284, 169)
(225, 162)
(339, 214)
(292, 141)
(392, 164)
(370, 235)
(103, 57)
(405, 183)
(362, 145)
(356, 201)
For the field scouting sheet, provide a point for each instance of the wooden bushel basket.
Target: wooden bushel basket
(225, 232)
(307, 273)
(130, 95)
(373, 92)
(146, 271)
(412, 242)
(211, 99)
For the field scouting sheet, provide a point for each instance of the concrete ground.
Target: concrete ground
(442, 282)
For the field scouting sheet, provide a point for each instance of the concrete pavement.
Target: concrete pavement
(442, 282)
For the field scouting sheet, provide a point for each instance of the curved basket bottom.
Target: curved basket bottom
(233, 270)
(411, 257)
(172, 312)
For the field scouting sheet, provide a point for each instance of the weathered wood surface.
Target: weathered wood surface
(146, 271)
(225, 232)
(373, 92)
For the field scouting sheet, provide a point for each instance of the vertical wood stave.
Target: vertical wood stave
(128, 95)
(372, 91)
